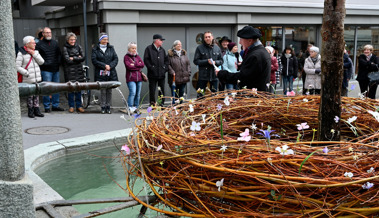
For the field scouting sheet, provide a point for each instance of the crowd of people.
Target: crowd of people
(219, 64)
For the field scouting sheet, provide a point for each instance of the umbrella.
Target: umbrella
(173, 88)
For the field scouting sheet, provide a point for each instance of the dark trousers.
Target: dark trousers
(179, 92)
(202, 84)
(365, 85)
(313, 91)
(153, 86)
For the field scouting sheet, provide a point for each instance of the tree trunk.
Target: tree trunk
(333, 44)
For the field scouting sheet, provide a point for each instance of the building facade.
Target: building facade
(294, 23)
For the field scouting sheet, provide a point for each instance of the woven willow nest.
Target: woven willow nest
(258, 181)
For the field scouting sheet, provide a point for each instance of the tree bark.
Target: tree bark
(333, 44)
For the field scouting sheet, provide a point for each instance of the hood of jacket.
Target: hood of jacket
(171, 52)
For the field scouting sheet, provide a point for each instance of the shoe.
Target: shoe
(103, 110)
(132, 109)
(57, 109)
(37, 112)
(71, 110)
(31, 112)
(47, 110)
(80, 110)
(108, 110)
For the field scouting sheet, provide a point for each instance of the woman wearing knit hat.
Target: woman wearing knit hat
(231, 63)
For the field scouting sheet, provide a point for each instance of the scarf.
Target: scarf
(178, 52)
(288, 55)
(103, 47)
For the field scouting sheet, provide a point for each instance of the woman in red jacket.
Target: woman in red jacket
(274, 68)
(133, 64)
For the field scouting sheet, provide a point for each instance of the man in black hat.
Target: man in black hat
(256, 65)
(156, 62)
(207, 55)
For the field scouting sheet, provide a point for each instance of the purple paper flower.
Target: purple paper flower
(368, 185)
(219, 107)
(325, 150)
(136, 116)
(149, 109)
(266, 133)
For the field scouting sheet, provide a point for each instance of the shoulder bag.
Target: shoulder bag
(374, 76)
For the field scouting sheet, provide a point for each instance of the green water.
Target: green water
(85, 176)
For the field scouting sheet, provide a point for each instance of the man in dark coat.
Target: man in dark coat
(51, 53)
(156, 62)
(204, 55)
(256, 65)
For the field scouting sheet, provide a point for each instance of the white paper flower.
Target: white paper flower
(371, 170)
(368, 185)
(253, 126)
(375, 114)
(195, 126)
(349, 174)
(219, 184)
(305, 100)
(203, 116)
(336, 119)
(226, 101)
(191, 108)
(149, 118)
(234, 94)
(255, 91)
(284, 150)
(223, 148)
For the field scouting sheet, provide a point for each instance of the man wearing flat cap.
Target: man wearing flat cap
(256, 65)
(156, 62)
(207, 55)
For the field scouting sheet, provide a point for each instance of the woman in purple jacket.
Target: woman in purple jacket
(133, 64)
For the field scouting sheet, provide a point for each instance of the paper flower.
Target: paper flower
(126, 149)
(305, 100)
(375, 114)
(234, 94)
(302, 126)
(253, 126)
(336, 119)
(371, 170)
(325, 150)
(284, 150)
(149, 109)
(245, 136)
(136, 116)
(368, 185)
(159, 88)
(190, 108)
(219, 184)
(255, 91)
(195, 126)
(149, 117)
(348, 174)
(291, 93)
(159, 147)
(226, 101)
(203, 116)
(223, 148)
(219, 107)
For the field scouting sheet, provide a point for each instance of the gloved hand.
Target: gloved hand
(317, 71)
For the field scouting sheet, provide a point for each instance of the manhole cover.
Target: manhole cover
(47, 130)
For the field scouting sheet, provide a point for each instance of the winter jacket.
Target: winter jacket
(100, 59)
(202, 54)
(365, 67)
(181, 66)
(347, 70)
(274, 68)
(289, 66)
(156, 62)
(312, 80)
(133, 65)
(230, 62)
(33, 73)
(255, 70)
(51, 53)
(73, 69)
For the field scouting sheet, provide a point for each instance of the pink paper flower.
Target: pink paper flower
(291, 93)
(126, 149)
(302, 126)
(245, 136)
(159, 147)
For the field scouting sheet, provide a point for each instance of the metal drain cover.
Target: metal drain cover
(47, 130)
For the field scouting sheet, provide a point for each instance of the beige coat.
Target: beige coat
(33, 73)
(312, 80)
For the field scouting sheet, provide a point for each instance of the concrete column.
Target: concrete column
(16, 192)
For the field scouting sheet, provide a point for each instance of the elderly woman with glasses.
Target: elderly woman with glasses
(105, 60)
(367, 63)
(27, 64)
(312, 68)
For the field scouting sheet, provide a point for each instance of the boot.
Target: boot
(108, 110)
(37, 112)
(30, 112)
(103, 110)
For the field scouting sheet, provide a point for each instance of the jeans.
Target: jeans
(50, 77)
(134, 93)
(231, 86)
(202, 84)
(287, 80)
(179, 92)
(75, 98)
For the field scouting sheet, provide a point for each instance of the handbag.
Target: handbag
(144, 77)
(374, 76)
(19, 75)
